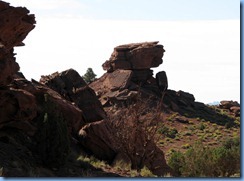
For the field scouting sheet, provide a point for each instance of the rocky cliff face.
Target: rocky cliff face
(33, 118)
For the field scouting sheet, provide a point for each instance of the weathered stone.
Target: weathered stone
(186, 96)
(18, 108)
(73, 88)
(8, 66)
(97, 139)
(135, 56)
(15, 24)
(228, 104)
(38, 92)
(162, 80)
(140, 76)
(119, 79)
(236, 110)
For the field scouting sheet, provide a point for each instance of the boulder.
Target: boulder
(38, 95)
(98, 140)
(135, 56)
(236, 110)
(117, 80)
(73, 88)
(228, 104)
(18, 107)
(186, 96)
(162, 81)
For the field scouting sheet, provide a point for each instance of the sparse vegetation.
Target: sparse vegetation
(169, 132)
(203, 161)
(136, 132)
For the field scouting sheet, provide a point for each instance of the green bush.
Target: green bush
(201, 161)
(201, 126)
(171, 133)
(176, 162)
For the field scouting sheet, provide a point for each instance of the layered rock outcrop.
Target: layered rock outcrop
(233, 106)
(73, 88)
(18, 107)
(129, 70)
(36, 123)
(128, 77)
(15, 25)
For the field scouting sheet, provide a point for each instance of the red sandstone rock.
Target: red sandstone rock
(228, 104)
(72, 115)
(15, 24)
(18, 107)
(162, 80)
(135, 56)
(97, 138)
(236, 110)
(117, 80)
(73, 88)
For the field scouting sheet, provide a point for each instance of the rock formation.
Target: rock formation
(45, 119)
(15, 24)
(36, 123)
(135, 56)
(129, 75)
(43, 124)
(73, 88)
(233, 106)
(17, 106)
(129, 70)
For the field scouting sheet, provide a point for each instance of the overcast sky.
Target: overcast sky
(201, 39)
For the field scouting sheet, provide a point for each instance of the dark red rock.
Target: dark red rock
(236, 110)
(162, 80)
(98, 140)
(135, 56)
(73, 88)
(15, 24)
(228, 104)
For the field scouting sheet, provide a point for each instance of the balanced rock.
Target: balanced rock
(129, 72)
(135, 56)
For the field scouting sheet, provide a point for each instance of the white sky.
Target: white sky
(202, 53)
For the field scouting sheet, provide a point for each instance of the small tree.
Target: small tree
(89, 76)
(136, 128)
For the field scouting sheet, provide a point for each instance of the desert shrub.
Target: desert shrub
(202, 161)
(172, 117)
(201, 126)
(145, 172)
(136, 127)
(228, 124)
(176, 162)
(169, 132)
(186, 146)
(88, 161)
